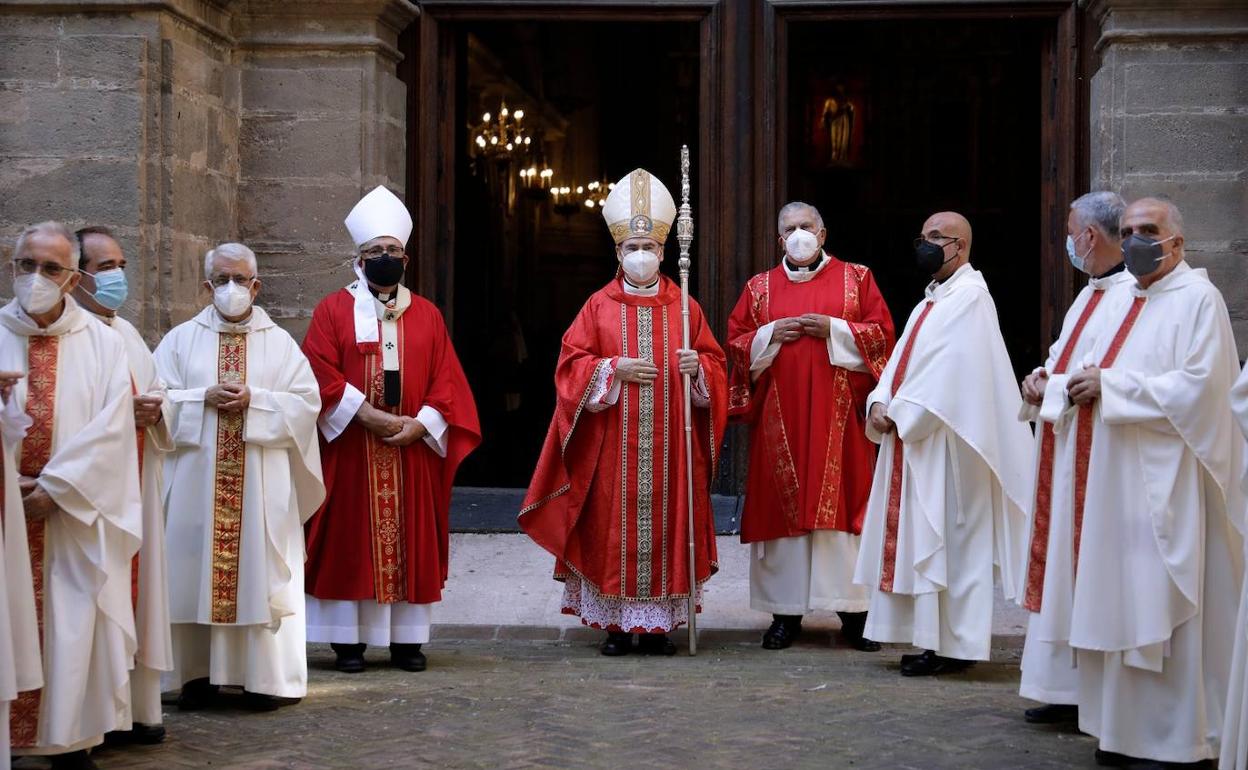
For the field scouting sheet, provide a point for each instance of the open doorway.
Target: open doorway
(597, 100)
(890, 121)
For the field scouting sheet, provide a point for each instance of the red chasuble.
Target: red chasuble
(608, 498)
(810, 460)
(383, 531)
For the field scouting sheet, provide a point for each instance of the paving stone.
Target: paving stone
(514, 704)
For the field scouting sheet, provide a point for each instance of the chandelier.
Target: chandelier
(570, 199)
(500, 137)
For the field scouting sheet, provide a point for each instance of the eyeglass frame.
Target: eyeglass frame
(377, 252)
(50, 270)
(217, 281)
(930, 239)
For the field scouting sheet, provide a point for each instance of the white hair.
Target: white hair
(795, 206)
(49, 228)
(230, 251)
(1102, 210)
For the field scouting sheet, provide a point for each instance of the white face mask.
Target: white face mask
(641, 267)
(801, 245)
(231, 299)
(36, 293)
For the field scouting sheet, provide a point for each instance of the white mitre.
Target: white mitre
(378, 213)
(639, 206)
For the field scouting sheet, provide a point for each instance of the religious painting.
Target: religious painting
(836, 118)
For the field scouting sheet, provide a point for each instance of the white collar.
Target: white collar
(936, 290)
(641, 291)
(801, 276)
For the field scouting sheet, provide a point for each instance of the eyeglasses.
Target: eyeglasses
(221, 280)
(47, 269)
(383, 251)
(938, 239)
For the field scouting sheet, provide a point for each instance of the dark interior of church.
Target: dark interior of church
(928, 116)
(887, 122)
(526, 258)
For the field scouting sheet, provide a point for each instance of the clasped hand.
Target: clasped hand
(643, 371)
(1085, 387)
(879, 419)
(228, 397)
(1033, 387)
(37, 503)
(792, 329)
(392, 429)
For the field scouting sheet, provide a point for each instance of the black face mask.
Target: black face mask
(1142, 254)
(930, 258)
(384, 271)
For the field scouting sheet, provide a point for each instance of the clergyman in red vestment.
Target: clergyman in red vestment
(397, 420)
(808, 340)
(609, 498)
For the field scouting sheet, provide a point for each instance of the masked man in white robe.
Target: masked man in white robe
(101, 291)
(1157, 560)
(79, 479)
(954, 471)
(243, 478)
(1235, 725)
(20, 667)
(1048, 666)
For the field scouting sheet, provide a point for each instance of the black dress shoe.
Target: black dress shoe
(931, 664)
(141, 734)
(616, 644)
(1112, 759)
(74, 760)
(197, 694)
(350, 658)
(1052, 714)
(852, 625)
(408, 657)
(256, 701)
(655, 644)
(783, 631)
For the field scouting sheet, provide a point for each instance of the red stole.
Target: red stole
(1083, 429)
(42, 355)
(892, 520)
(810, 461)
(608, 496)
(1041, 515)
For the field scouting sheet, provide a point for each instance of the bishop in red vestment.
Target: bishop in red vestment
(398, 418)
(609, 498)
(808, 340)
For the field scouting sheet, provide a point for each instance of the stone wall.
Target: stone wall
(1169, 117)
(185, 123)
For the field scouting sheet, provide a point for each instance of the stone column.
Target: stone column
(123, 114)
(323, 121)
(1169, 117)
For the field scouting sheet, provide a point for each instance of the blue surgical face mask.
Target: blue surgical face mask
(111, 288)
(1080, 262)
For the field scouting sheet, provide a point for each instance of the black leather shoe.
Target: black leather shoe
(408, 657)
(655, 644)
(74, 760)
(783, 631)
(852, 625)
(255, 701)
(141, 734)
(616, 644)
(1052, 714)
(197, 694)
(931, 664)
(1112, 759)
(350, 657)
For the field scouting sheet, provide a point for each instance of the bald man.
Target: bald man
(1158, 561)
(954, 470)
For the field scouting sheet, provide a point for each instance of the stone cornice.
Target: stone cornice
(342, 26)
(209, 17)
(1165, 21)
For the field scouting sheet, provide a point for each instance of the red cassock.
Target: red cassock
(383, 531)
(810, 460)
(608, 498)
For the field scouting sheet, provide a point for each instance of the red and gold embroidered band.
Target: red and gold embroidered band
(227, 508)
